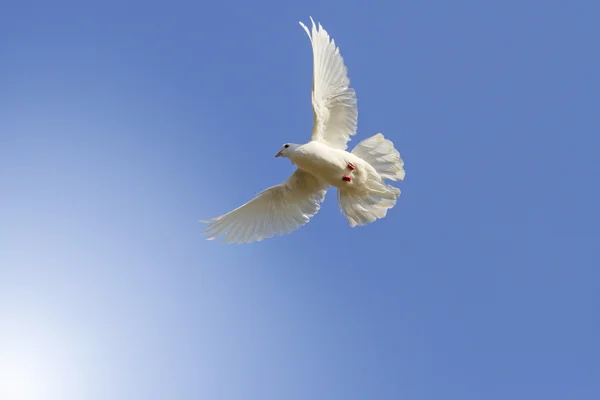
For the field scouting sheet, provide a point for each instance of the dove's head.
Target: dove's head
(286, 150)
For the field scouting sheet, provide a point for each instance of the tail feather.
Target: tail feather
(381, 154)
(363, 207)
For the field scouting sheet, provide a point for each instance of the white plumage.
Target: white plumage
(359, 175)
(333, 100)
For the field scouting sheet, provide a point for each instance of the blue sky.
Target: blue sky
(123, 124)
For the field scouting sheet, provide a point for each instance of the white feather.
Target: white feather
(277, 210)
(333, 100)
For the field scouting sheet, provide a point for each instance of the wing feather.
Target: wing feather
(335, 112)
(278, 210)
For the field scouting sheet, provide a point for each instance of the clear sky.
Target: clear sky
(124, 123)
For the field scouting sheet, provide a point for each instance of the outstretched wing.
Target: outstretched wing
(277, 210)
(333, 100)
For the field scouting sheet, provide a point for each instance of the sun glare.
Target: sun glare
(34, 365)
(17, 381)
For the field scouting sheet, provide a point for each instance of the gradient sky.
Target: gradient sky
(123, 124)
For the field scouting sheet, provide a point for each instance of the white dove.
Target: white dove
(359, 175)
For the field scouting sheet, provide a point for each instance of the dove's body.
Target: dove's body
(359, 175)
(331, 165)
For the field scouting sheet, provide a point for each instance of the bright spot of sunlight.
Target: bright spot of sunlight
(36, 364)
(17, 381)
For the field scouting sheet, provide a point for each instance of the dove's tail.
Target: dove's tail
(381, 154)
(363, 207)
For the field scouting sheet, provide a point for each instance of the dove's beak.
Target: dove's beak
(279, 154)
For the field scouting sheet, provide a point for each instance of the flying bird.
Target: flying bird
(359, 175)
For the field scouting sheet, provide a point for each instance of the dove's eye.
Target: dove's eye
(286, 146)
